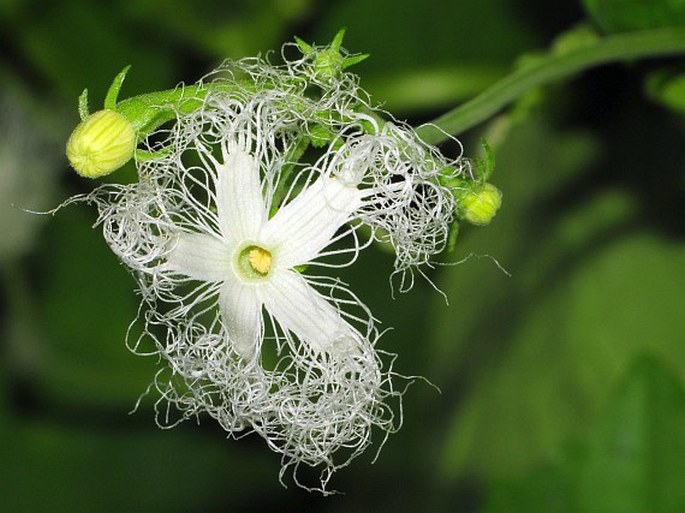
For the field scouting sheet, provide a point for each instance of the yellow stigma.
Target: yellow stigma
(260, 260)
(254, 262)
(101, 144)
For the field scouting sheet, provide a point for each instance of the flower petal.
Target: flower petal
(199, 256)
(239, 202)
(241, 312)
(304, 227)
(300, 309)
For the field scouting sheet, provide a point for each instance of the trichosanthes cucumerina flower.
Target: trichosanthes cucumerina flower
(243, 209)
(255, 257)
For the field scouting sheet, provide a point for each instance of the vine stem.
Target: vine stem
(615, 48)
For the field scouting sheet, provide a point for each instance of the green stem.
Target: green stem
(147, 112)
(615, 48)
(294, 155)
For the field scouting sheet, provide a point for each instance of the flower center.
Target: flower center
(254, 261)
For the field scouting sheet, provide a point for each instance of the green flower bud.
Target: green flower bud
(101, 144)
(328, 63)
(480, 207)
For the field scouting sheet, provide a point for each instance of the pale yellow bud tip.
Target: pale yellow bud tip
(101, 144)
(480, 207)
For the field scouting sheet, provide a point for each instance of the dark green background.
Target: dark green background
(561, 383)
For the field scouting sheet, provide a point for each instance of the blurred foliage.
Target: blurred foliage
(584, 298)
(627, 15)
(628, 461)
(667, 86)
(561, 382)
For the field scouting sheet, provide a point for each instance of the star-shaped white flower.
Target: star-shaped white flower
(255, 257)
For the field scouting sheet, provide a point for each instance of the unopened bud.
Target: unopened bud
(480, 207)
(101, 144)
(328, 63)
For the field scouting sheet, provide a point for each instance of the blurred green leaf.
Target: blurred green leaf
(435, 53)
(532, 358)
(88, 303)
(220, 28)
(628, 461)
(96, 465)
(72, 41)
(627, 15)
(436, 87)
(667, 87)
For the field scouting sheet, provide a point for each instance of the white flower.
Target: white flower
(219, 228)
(254, 256)
(216, 231)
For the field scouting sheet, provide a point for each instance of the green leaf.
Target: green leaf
(566, 351)
(629, 15)
(535, 356)
(429, 60)
(668, 88)
(632, 461)
(88, 301)
(439, 86)
(628, 461)
(114, 463)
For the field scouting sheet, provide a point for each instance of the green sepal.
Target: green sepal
(452, 237)
(485, 166)
(336, 44)
(83, 110)
(355, 59)
(304, 47)
(113, 91)
(329, 59)
(145, 155)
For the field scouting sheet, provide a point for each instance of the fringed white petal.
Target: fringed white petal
(199, 256)
(304, 227)
(300, 309)
(241, 312)
(239, 201)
